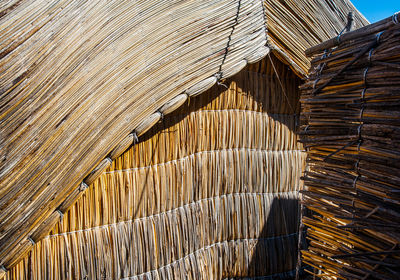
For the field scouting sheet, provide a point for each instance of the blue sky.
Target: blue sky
(378, 9)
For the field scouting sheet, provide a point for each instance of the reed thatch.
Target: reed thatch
(296, 25)
(79, 76)
(351, 130)
(208, 193)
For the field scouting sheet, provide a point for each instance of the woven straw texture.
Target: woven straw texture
(351, 130)
(208, 193)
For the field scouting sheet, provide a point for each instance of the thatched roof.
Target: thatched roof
(293, 26)
(78, 77)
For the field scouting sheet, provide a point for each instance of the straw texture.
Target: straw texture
(82, 80)
(295, 25)
(351, 130)
(78, 76)
(210, 192)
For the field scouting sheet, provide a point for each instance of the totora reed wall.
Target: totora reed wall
(210, 192)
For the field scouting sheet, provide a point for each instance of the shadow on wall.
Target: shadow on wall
(275, 255)
(278, 95)
(232, 198)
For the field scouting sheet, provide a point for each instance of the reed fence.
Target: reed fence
(351, 130)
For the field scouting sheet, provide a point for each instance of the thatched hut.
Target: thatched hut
(154, 139)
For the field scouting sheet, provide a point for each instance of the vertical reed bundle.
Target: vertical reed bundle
(210, 192)
(351, 130)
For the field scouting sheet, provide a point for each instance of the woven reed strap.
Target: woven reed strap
(351, 62)
(219, 74)
(364, 31)
(348, 26)
(367, 48)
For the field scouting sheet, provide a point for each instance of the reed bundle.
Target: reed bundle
(210, 192)
(351, 130)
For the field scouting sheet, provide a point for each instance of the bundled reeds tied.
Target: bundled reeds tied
(351, 130)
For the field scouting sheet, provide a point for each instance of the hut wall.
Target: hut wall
(209, 192)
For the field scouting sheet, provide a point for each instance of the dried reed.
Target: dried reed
(78, 76)
(295, 25)
(351, 130)
(208, 193)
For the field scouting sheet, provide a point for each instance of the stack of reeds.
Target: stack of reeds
(351, 130)
(210, 192)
